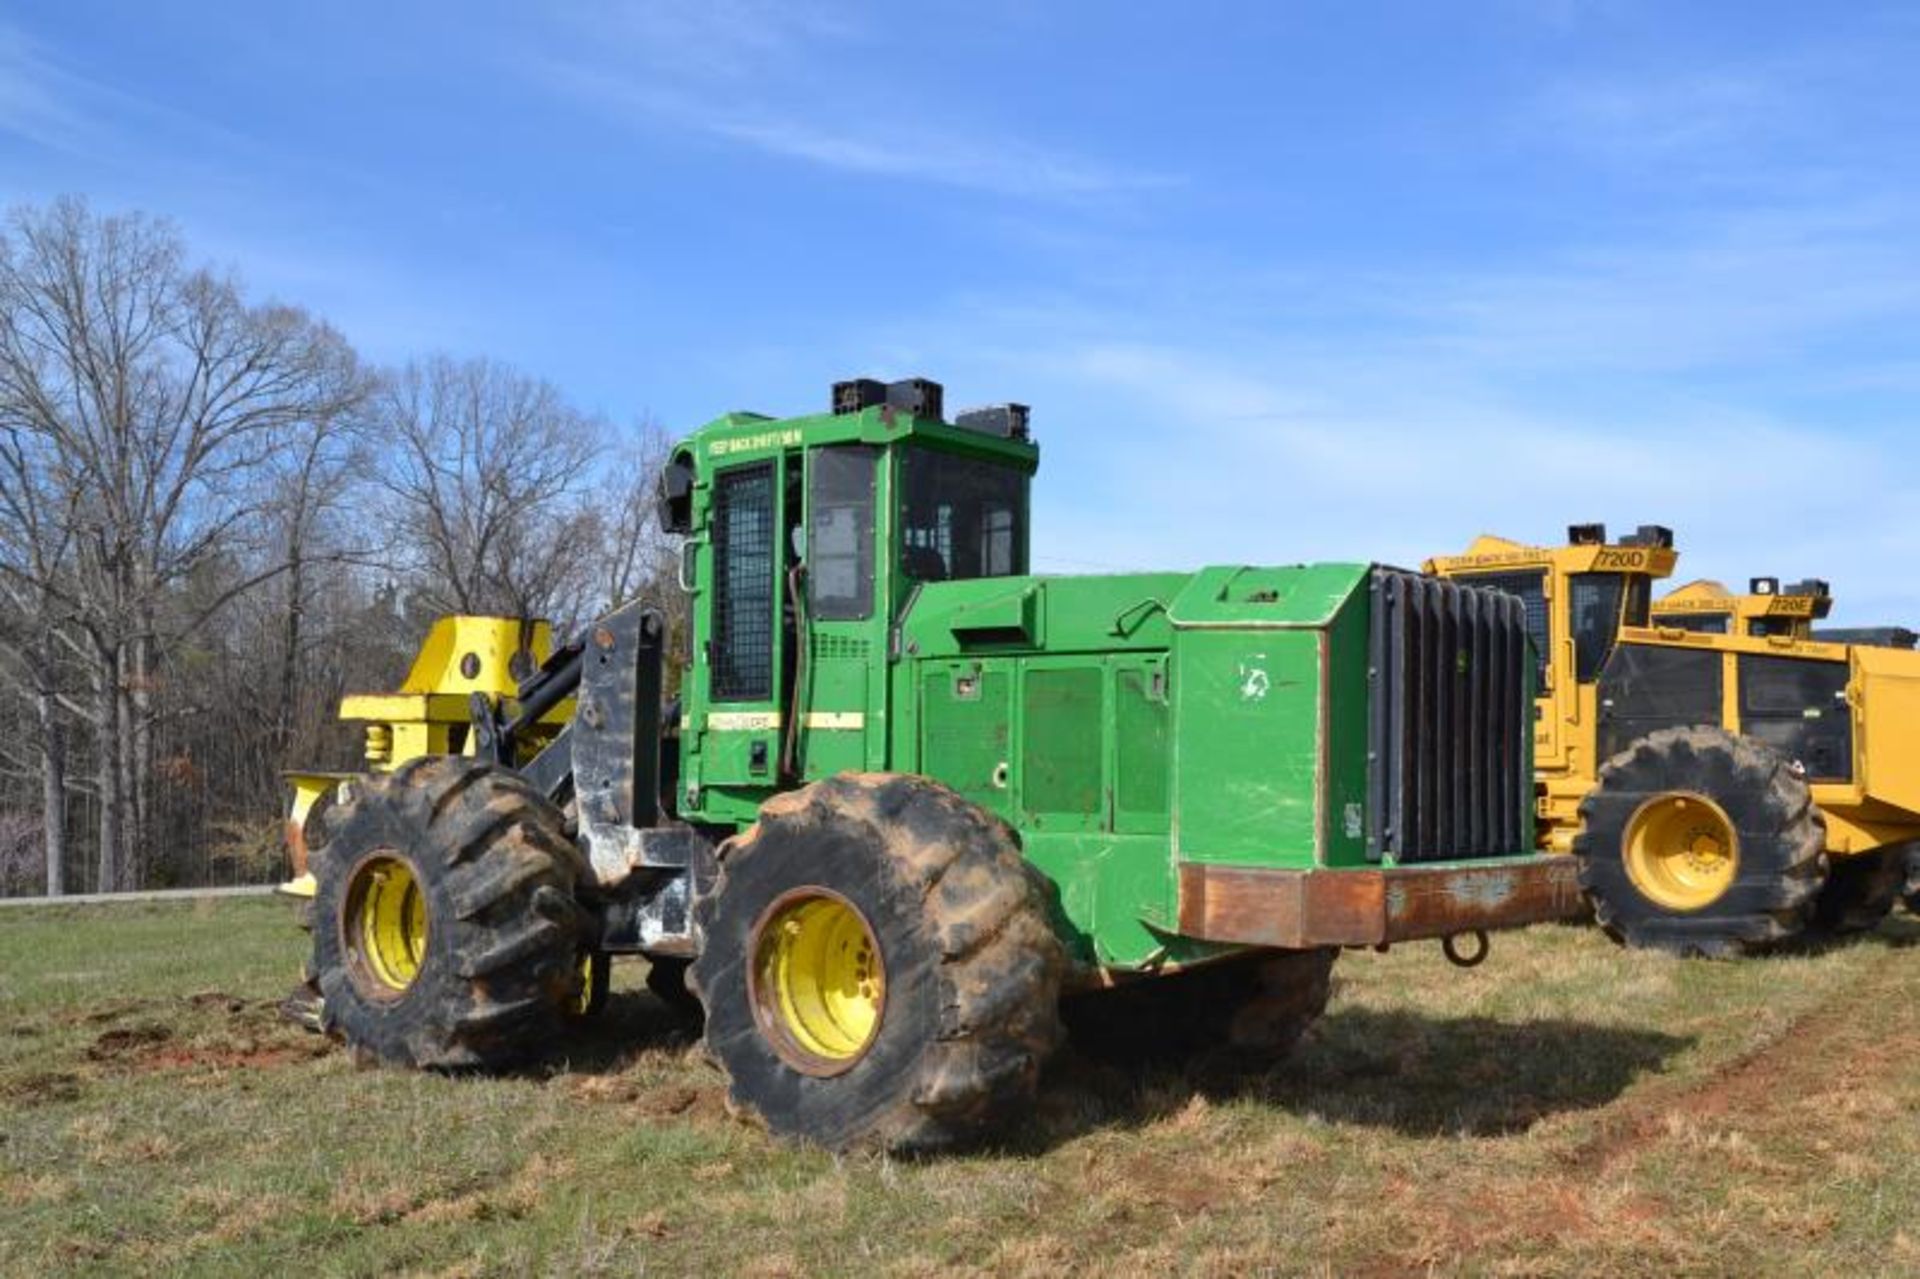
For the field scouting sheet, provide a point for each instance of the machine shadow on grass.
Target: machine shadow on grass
(1898, 931)
(1418, 1075)
(632, 1022)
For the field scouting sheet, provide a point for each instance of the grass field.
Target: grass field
(1567, 1108)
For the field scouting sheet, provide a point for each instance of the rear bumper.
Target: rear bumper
(1366, 907)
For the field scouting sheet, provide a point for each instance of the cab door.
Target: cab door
(841, 671)
(745, 648)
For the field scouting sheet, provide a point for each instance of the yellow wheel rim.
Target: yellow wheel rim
(1681, 851)
(819, 981)
(386, 925)
(583, 1002)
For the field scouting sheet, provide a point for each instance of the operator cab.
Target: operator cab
(806, 539)
(1767, 609)
(1579, 597)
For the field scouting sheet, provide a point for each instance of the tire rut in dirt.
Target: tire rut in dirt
(500, 964)
(1781, 863)
(972, 968)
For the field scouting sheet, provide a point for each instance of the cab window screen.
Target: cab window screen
(960, 517)
(1764, 626)
(1639, 601)
(1699, 623)
(743, 589)
(1595, 600)
(840, 534)
(1532, 591)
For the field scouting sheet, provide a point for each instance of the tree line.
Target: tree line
(216, 517)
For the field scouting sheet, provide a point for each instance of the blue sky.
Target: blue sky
(1282, 281)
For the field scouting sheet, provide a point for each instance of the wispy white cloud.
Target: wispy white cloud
(1725, 289)
(52, 102)
(37, 96)
(749, 73)
(1006, 166)
(1165, 457)
(725, 39)
(1734, 381)
(1661, 114)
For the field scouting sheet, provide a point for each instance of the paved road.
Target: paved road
(161, 895)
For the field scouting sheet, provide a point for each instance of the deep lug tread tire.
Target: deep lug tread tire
(1910, 893)
(504, 934)
(1782, 863)
(667, 982)
(973, 968)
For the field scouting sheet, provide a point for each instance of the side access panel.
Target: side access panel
(1248, 724)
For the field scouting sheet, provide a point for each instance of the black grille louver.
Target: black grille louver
(1450, 732)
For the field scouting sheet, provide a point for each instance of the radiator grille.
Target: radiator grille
(1450, 738)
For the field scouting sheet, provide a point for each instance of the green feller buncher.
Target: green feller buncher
(914, 797)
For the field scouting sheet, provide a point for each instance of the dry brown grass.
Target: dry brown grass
(1566, 1109)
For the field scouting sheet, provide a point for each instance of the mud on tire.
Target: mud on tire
(1781, 863)
(971, 966)
(500, 963)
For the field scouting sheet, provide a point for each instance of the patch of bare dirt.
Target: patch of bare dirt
(42, 1087)
(115, 1045)
(649, 1101)
(234, 1057)
(1847, 1038)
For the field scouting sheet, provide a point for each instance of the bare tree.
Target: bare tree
(489, 487)
(213, 522)
(148, 399)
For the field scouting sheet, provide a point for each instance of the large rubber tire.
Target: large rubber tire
(1780, 868)
(1250, 1009)
(1910, 894)
(667, 982)
(1860, 891)
(499, 968)
(971, 966)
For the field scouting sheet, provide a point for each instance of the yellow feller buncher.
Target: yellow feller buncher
(1723, 792)
(1768, 608)
(462, 659)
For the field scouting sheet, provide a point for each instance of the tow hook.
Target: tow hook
(1462, 957)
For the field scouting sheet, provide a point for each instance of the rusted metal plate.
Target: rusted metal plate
(1366, 907)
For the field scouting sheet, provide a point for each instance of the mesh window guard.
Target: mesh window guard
(743, 585)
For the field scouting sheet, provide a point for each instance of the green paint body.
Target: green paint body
(1122, 725)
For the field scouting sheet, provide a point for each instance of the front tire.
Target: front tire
(877, 967)
(1699, 842)
(445, 929)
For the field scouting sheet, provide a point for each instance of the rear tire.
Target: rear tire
(1766, 825)
(878, 967)
(445, 930)
(667, 982)
(1250, 1008)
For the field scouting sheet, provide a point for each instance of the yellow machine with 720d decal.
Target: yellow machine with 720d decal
(1721, 792)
